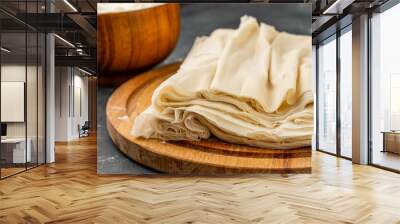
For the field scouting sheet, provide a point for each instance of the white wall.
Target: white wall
(13, 101)
(70, 83)
(80, 109)
(61, 114)
(16, 72)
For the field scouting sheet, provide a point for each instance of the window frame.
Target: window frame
(333, 37)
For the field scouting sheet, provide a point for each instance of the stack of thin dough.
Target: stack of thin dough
(251, 85)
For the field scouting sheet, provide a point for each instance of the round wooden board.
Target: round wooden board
(186, 157)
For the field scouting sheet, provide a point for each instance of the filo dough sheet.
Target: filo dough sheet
(251, 85)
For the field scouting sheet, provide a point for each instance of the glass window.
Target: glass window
(385, 89)
(346, 93)
(15, 150)
(327, 96)
(22, 92)
(31, 97)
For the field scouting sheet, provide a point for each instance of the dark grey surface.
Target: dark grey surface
(198, 20)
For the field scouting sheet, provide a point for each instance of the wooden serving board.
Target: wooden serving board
(189, 157)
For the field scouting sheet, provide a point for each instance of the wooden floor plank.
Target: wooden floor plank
(70, 191)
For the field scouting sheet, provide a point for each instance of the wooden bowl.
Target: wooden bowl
(133, 40)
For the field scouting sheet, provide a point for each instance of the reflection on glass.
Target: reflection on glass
(41, 99)
(327, 97)
(22, 91)
(15, 150)
(385, 84)
(31, 100)
(345, 94)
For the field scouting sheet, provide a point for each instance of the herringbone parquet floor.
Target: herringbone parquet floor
(69, 191)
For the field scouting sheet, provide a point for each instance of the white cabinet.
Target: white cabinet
(18, 149)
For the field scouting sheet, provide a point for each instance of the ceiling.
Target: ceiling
(330, 15)
(75, 21)
(72, 20)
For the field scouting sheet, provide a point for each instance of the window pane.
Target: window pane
(327, 97)
(41, 98)
(345, 94)
(15, 150)
(31, 97)
(385, 80)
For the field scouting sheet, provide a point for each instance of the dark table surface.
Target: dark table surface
(198, 20)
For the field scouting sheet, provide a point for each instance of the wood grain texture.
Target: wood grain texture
(189, 157)
(132, 40)
(70, 191)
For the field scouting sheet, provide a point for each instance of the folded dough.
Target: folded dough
(250, 85)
